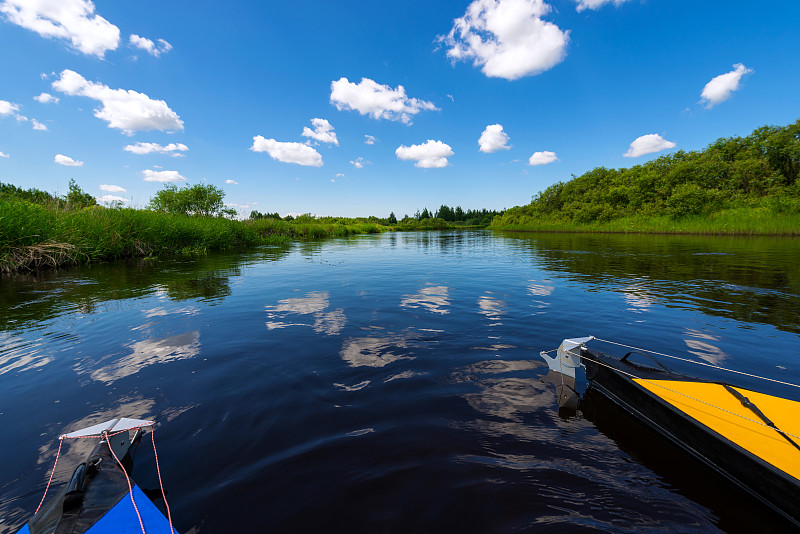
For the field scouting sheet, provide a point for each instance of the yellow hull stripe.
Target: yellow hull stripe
(714, 406)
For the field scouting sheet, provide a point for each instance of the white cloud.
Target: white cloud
(493, 139)
(112, 188)
(162, 176)
(721, 87)
(359, 163)
(378, 101)
(125, 110)
(322, 132)
(647, 144)
(596, 4)
(429, 155)
(370, 139)
(149, 46)
(287, 152)
(3, 155)
(542, 158)
(173, 149)
(507, 38)
(46, 98)
(73, 20)
(110, 198)
(229, 181)
(61, 159)
(8, 108)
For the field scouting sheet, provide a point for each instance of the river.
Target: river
(391, 383)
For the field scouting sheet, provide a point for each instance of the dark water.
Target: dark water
(391, 383)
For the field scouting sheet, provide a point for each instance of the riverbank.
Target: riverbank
(34, 236)
(740, 221)
(739, 185)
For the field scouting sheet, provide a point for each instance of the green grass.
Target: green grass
(733, 221)
(33, 236)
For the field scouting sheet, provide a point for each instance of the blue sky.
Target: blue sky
(393, 97)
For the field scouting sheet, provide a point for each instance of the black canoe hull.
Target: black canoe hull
(763, 481)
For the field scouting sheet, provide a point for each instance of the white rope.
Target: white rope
(687, 396)
(698, 363)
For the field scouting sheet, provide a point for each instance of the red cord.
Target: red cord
(127, 479)
(158, 470)
(60, 442)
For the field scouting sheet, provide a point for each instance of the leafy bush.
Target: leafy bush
(691, 199)
(729, 174)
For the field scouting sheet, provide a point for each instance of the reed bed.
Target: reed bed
(34, 236)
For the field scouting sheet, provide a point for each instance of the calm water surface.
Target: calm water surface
(391, 383)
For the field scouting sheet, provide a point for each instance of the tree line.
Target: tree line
(760, 170)
(76, 198)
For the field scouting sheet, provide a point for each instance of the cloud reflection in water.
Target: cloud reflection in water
(376, 351)
(699, 344)
(18, 354)
(315, 303)
(492, 308)
(148, 352)
(435, 299)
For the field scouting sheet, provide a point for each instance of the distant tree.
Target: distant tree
(459, 214)
(392, 218)
(255, 214)
(445, 213)
(425, 214)
(199, 199)
(31, 195)
(77, 198)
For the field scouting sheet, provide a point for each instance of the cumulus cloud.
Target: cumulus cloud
(172, 149)
(596, 4)
(112, 188)
(429, 155)
(111, 198)
(647, 144)
(298, 153)
(149, 46)
(229, 181)
(46, 98)
(61, 159)
(3, 155)
(378, 101)
(493, 139)
(359, 163)
(8, 108)
(322, 132)
(507, 38)
(721, 87)
(542, 158)
(370, 139)
(125, 110)
(72, 20)
(162, 176)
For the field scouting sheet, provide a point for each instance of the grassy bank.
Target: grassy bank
(34, 236)
(735, 221)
